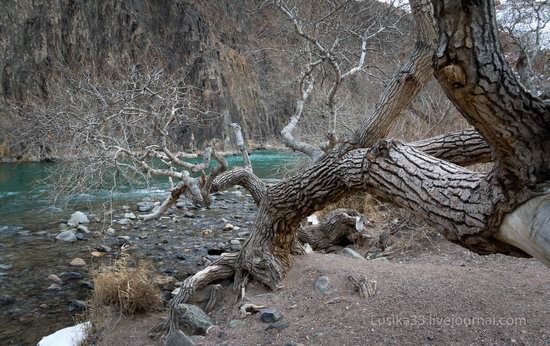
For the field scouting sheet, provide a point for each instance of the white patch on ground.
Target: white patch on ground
(70, 336)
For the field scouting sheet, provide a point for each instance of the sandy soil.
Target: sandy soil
(438, 294)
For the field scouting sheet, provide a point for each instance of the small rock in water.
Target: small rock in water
(145, 206)
(6, 266)
(189, 215)
(70, 276)
(130, 216)
(235, 242)
(80, 236)
(87, 285)
(54, 287)
(63, 227)
(270, 315)
(351, 253)
(228, 227)
(124, 221)
(206, 232)
(110, 231)
(104, 248)
(5, 300)
(77, 218)
(67, 236)
(77, 305)
(77, 262)
(55, 279)
(322, 285)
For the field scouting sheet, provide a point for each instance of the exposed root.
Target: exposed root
(220, 269)
(248, 309)
(367, 288)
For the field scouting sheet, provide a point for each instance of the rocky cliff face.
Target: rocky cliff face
(205, 36)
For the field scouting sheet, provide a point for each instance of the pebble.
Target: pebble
(322, 285)
(270, 315)
(145, 206)
(77, 218)
(277, 326)
(77, 262)
(130, 216)
(55, 279)
(123, 221)
(71, 275)
(67, 236)
(236, 323)
(87, 285)
(352, 254)
(54, 287)
(104, 248)
(5, 300)
(228, 227)
(77, 305)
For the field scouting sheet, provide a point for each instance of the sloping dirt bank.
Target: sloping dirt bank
(444, 296)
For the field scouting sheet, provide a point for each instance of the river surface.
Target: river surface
(175, 245)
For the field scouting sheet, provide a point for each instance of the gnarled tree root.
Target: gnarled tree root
(221, 269)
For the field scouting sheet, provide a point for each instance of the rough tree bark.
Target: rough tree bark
(506, 210)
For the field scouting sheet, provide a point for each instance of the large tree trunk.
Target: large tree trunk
(503, 211)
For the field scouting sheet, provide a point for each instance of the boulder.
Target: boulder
(193, 320)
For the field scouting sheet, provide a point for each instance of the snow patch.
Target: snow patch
(70, 336)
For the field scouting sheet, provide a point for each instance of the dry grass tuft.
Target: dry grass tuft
(129, 288)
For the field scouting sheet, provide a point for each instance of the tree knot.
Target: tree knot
(455, 75)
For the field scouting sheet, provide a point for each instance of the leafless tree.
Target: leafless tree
(121, 131)
(526, 24)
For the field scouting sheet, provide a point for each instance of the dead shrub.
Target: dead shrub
(129, 288)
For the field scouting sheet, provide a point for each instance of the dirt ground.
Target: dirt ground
(438, 294)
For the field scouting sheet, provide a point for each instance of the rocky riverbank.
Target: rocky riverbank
(46, 280)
